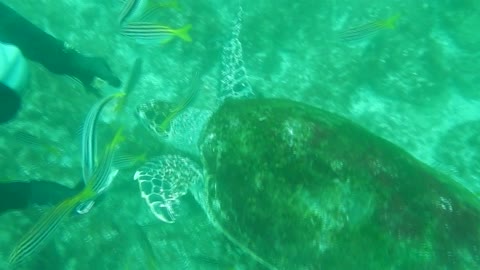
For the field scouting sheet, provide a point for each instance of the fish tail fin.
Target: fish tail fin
(119, 106)
(142, 157)
(118, 138)
(183, 33)
(391, 22)
(119, 94)
(121, 101)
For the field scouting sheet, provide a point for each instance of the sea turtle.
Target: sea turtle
(297, 187)
(301, 188)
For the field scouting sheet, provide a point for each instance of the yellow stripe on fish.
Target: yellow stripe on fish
(103, 175)
(89, 142)
(127, 161)
(369, 29)
(37, 142)
(164, 126)
(158, 114)
(144, 31)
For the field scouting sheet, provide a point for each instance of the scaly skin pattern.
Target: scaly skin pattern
(301, 188)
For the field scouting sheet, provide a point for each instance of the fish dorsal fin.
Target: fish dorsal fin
(183, 33)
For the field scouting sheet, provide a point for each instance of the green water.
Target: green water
(415, 85)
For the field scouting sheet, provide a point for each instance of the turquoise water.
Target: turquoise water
(415, 85)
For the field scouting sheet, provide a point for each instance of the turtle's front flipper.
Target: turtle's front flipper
(165, 179)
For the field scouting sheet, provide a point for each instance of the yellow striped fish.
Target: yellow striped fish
(157, 115)
(369, 29)
(101, 179)
(89, 139)
(127, 161)
(40, 233)
(145, 31)
(165, 124)
(36, 238)
(103, 175)
(37, 142)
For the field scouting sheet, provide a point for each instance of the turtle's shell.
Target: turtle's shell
(301, 188)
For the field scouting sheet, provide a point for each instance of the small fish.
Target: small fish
(157, 115)
(142, 9)
(127, 161)
(100, 178)
(164, 126)
(37, 142)
(103, 175)
(130, 85)
(38, 235)
(144, 31)
(369, 29)
(89, 138)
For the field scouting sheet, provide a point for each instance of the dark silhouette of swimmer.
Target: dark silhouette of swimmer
(18, 195)
(58, 58)
(52, 53)
(9, 103)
